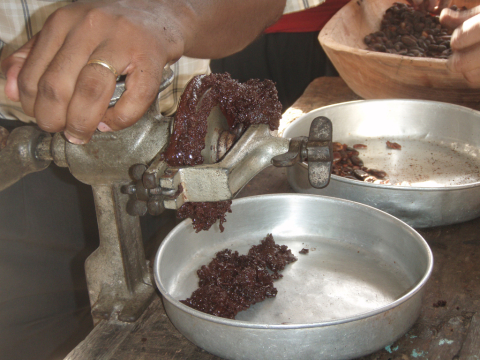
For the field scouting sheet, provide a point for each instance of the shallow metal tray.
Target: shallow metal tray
(440, 158)
(357, 290)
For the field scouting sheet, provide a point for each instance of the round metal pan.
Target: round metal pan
(357, 290)
(439, 159)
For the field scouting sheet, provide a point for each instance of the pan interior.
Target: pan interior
(440, 142)
(421, 162)
(334, 281)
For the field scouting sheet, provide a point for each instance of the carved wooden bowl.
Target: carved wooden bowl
(375, 75)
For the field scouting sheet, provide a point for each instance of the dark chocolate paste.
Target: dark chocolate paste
(231, 283)
(205, 214)
(253, 102)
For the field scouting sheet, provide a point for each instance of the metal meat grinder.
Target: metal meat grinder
(129, 179)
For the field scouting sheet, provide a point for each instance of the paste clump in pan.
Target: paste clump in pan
(243, 104)
(231, 283)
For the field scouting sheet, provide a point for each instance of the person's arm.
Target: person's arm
(49, 75)
(465, 42)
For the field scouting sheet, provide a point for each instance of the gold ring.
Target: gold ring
(104, 64)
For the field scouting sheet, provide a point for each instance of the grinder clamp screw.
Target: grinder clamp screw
(316, 150)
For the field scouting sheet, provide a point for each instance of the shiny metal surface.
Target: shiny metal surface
(357, 290)
(440, 158)
(167, 78)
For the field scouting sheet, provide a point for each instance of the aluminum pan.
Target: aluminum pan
(322, 310)
(440, 157)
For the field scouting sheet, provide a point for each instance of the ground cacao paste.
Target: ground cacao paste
(205, 214)
(230, 283)
(252, 102)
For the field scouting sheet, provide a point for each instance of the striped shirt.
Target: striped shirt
(21, 19)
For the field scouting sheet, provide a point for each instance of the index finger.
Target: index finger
(454, 19)
(11, 67)
(467, 34)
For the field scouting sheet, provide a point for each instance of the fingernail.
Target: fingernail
(104, 127)
(73, 139)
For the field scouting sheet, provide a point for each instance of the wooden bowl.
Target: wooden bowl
(375, 75)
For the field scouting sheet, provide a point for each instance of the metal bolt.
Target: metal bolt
(136, 207)
(149, 181)
(128, 189)
(137, 170)
(238, 130)
(225, 142)
(155, 205)
(156, 191)
(141, 192)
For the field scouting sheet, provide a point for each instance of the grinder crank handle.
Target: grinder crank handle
(28, 149)
(317, 150)
(167, 78)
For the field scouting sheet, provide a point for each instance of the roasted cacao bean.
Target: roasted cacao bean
(359, 146)
(360, 174)
(394, 145)
(410, 32)
(348, 164)
(337, 146)
(356, 160)
(377, 173)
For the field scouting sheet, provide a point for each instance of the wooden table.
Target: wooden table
(440, 333)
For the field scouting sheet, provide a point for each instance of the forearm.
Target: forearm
(202, 28)
(218, 28)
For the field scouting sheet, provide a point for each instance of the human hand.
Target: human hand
(465, 42)
(433, 6)
(49, 75)
(53, 77)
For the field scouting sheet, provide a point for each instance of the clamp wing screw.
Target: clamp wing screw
(316, 150)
